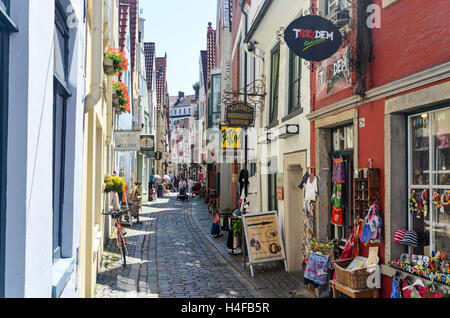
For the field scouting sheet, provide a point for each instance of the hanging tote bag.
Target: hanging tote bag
(372, 226)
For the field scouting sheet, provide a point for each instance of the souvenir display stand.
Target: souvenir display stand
(366, 186)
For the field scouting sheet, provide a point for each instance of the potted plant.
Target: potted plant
(114, 184)
(122, 94)
(115, 61)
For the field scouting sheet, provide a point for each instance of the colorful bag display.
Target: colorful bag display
(373, 225)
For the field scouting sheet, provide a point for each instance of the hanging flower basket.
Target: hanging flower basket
(121, 91)
(119, 62)
(114, 184)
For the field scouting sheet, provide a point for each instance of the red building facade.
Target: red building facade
(402, 110)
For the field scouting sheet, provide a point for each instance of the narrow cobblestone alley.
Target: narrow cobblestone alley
(172, 255)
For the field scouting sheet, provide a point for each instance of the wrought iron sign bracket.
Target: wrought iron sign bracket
(254, 92)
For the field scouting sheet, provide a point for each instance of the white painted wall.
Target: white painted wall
(29, 251)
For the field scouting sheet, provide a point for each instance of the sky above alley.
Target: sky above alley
(178, 28)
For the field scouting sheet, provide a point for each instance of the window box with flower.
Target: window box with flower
(115, 62)
(121, 91)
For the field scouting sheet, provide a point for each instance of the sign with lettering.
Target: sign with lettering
(127, 140)
(231, 137)
(263, 238)
(240, 115)
(313, 38)
(333, 74)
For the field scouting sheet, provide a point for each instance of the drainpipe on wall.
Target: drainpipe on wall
(245, 95)
(96, 88)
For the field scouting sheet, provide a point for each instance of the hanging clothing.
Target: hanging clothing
(243, 180)
(317, 268)
(336, 202)
(311, 189)
(338, 172)
(304, 180)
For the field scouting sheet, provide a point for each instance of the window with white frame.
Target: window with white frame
(60, 96)
(429, 179)
(7, 26)
(336, 10)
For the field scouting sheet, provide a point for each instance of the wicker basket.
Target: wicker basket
(356, 279)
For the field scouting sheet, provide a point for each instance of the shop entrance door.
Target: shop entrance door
(342, 147)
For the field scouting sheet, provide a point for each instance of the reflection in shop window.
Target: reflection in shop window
(429, 179)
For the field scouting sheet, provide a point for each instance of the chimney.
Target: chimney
(180, 95)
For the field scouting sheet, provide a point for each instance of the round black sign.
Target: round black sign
(313, 38)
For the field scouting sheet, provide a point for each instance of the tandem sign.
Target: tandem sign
(313, 38)
(240, 115)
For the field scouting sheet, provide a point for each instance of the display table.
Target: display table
(338, 287)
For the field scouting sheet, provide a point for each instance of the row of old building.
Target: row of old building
(380, 102)
(59, 134)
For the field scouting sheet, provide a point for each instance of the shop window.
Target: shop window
(342, 149)
(429, 178)
(295, 74)
(275, 75)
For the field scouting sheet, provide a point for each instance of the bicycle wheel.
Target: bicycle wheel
(122, 249)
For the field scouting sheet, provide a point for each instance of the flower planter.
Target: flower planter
(108, 66)
(120, 91)
(115, 61)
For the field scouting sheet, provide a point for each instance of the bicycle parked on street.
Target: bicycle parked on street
(117, 215)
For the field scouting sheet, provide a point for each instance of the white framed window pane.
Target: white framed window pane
(420, 149)
(349, 137)
(440, 230)
(441, 147)
(336, 143)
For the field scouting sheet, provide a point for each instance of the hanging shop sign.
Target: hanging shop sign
(333, 74)
(313, 38)
(127, 140)
(147, 143)
(231, 137)
(262, 234)
(240, 115)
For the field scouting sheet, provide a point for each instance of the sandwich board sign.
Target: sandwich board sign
(263, 238)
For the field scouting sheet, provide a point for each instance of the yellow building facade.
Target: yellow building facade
(99, 124)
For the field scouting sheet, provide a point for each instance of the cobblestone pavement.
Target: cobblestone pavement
(172, 255)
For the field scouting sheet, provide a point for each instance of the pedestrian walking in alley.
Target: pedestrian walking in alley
(135, 202)
(191, 186)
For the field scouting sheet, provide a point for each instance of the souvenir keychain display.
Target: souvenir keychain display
(418, 203)
(441, 201)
